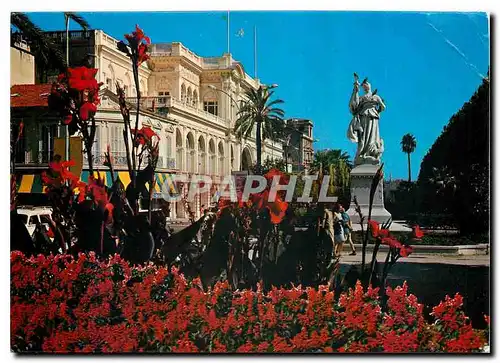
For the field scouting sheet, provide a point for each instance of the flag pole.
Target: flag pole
(228, 49)
(255, 51)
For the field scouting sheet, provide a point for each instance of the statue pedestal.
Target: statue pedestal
(361, 182)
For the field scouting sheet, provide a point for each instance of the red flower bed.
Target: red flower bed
(59, 304)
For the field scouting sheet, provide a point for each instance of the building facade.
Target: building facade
(22, 64)
(190, 101)
(298, 148)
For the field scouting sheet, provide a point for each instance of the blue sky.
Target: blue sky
(424, 65)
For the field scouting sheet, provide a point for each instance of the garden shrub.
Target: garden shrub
(60, 304)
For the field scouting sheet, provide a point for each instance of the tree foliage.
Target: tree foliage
(454, 174)
(259, 111)
(336, 164)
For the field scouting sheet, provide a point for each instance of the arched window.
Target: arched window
(202, 155)
(195, 99)
(232, 158)
(110, 79)
(183, 93)
(212, 156)
(189, 98)
(144, 88)
(221, 159)
(178, 149)
(210, 103)
(191, 167)
(127, 86)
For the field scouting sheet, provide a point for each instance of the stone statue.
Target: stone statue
(364, 127)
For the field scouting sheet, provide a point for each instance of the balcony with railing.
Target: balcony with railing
(119, 161)
(162, 105)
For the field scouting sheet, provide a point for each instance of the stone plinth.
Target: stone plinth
(361, 182)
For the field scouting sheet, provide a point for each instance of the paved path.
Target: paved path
(449, 259)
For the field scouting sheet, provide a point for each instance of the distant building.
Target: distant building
(298, 146)
(22, 63)
(390, 187)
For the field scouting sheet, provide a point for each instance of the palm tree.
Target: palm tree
(408, 145)
(77, 19)
(258, 111)
(324, 158)
(84, 25)
(46, 52)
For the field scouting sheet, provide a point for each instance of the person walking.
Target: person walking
(332, 223)
(347, 229)
(339, 233)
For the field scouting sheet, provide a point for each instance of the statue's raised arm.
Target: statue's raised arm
(354, 101)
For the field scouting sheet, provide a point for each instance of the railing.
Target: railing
(32, 158)
(73, 34)
(161, 105)
(119, 159)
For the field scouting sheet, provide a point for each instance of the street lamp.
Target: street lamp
(211, 86)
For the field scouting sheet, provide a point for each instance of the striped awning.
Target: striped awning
(161, 180)
(32, 183)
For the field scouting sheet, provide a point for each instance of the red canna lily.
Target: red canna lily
(67, 119)
(20, 132)
(417, 232)
(391, 242)
(87, 110)
(97, 190)
(138, 36)
(405, 251)
(82, 78)
(109, 209)
(144, 135)
(61, 174)
(50, 232)
(383, 233)
(277, 208)
(275, 172)
(142, 54)
(374, 228)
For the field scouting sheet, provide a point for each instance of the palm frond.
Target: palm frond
(43, 48)
(78, 19)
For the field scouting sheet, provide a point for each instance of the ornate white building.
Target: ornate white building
(190, 101)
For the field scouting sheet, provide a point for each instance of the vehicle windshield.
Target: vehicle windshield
(24, 218)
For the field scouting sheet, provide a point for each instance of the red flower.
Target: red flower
(405, 251)
(383, 233)
(82, 78)
(87, 110)
(275, 172)
(50, 232)
(277, 208)
(61, 173)
(98, 191)
(391, 242)
(144, 135)
(67, 119)
(374, 228)
(417, 232)
(20, 132)
(138, 36)
(142, 55)
(109, 210)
